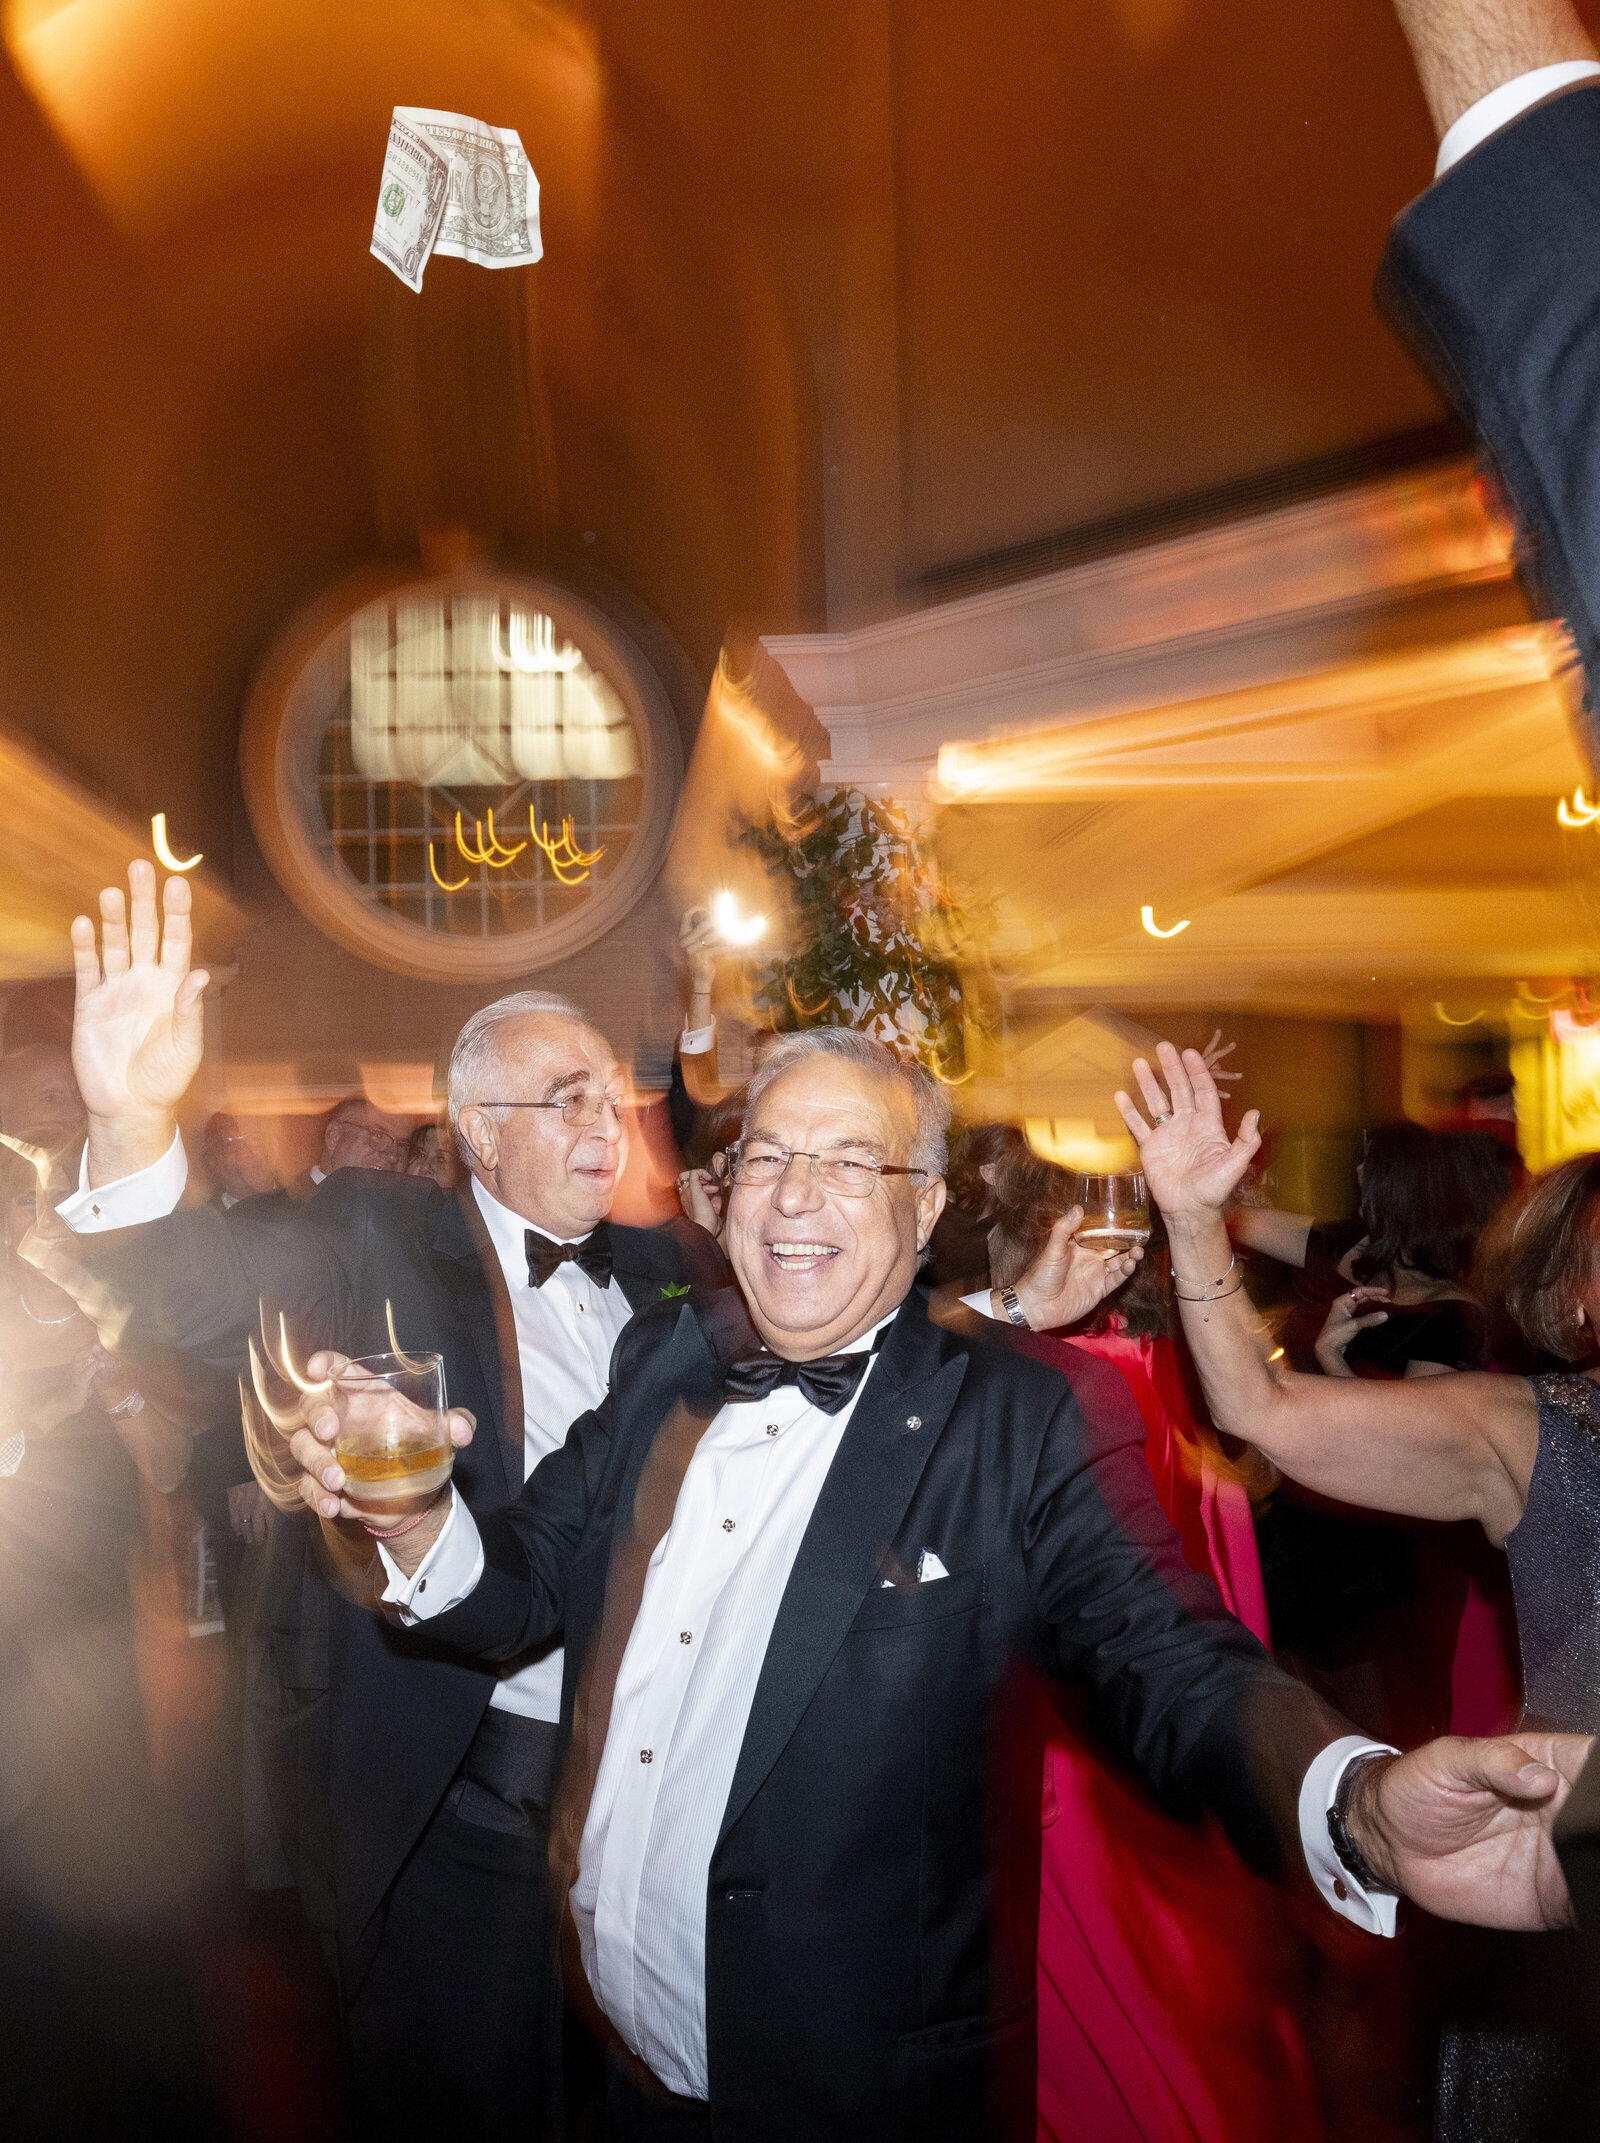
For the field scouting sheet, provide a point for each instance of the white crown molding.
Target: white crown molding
(1221, 610)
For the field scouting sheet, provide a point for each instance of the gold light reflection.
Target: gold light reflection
(163, 847)
(1577, 813)
(1147, 917)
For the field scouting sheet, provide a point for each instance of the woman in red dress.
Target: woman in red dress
(1166, 1967)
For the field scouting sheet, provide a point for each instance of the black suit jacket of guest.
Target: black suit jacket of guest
(361, 1732)
(872, 1904)
(1493, 277)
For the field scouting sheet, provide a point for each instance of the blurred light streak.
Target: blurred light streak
(1577, 813)
(1572, 1032)
(163, 847)
(507, 855)
(444, 885)
(416, 1367)
(299, 1382)
(1073, 1142)
(1445, 1019)
(1147, 917)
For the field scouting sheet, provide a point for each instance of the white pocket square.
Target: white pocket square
(928, 1568)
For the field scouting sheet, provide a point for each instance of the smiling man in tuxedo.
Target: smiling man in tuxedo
(796, 1562)
(412, 1788)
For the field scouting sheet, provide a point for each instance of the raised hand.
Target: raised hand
(1067, 1280)
(1189, 1163)
(1214, 1052)
(136, 1025)
(1464, 1827)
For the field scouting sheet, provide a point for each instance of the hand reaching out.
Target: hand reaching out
(1189, 1163)
(1464, 1827)
(136, 1025)
(1350, 1314)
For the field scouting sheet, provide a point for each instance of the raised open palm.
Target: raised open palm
(136, 1024)
(1190, 1164)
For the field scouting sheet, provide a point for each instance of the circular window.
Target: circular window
(463, 779)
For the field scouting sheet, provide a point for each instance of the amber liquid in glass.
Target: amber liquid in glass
(399, 1470)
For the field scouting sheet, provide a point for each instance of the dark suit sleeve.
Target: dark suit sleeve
(199, 1280)
(1493, 278)
(519, 1602)
(1198, 1705)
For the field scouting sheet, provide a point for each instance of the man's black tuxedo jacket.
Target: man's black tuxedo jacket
(361, 1733)
(873, 1897)
(1493, 277)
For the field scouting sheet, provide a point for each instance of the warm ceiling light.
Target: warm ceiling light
(1148, 918)
(163, 847)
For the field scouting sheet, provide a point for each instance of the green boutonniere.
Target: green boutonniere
(675, 1287)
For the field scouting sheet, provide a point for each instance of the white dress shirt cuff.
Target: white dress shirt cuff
(149, 1194)
(445, 1575)
(12, 1452)
(1507, 102)
(1318, 1791)
(697, 1041)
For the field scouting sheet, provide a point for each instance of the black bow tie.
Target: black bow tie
(594, 1255)
(829, 1383)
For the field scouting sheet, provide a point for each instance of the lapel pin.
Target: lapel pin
(913, 1421)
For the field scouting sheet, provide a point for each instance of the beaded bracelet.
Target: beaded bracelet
(410, 1526)
(1213, 1290)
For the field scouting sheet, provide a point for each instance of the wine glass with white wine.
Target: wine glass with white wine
(1116, 1212)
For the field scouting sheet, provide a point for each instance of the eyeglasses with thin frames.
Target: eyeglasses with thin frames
(579, 1110)
(846, 1178)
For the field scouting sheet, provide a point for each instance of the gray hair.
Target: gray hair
(931, 1102)
(477, 1052)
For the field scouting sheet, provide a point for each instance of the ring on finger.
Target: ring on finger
(1163, 1116)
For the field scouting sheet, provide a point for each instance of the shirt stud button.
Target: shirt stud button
(423, 1586)
(913, 1421)
(647, 1756)
(772, 1428)
(580, 1309)
(1339, 1890)
(686, 1636)
(727, 1525)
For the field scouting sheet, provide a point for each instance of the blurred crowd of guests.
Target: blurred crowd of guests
(1180, 1995)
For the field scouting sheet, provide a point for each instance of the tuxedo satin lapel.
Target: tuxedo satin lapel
(472, 1274)
(863, 1501)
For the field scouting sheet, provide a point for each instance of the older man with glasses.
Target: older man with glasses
(797, 1563)
(412, 1788)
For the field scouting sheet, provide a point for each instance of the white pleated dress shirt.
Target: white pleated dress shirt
(678, 1716)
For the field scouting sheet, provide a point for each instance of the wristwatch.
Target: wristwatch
(1013, 1308)
(1351, 1858)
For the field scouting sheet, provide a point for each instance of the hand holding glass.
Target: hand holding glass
(394, 1432)
(1116, 1212)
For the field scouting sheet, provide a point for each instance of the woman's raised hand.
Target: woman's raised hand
(136, 1026)
(1190, 1165)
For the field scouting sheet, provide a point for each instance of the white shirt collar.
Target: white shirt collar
(508, 1230)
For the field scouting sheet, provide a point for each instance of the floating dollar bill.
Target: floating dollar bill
(492, 215)
(412, 199)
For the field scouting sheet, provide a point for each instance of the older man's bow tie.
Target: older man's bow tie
(593, 1254)
(829, 1383)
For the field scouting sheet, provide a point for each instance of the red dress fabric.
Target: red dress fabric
(1165, 1966)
